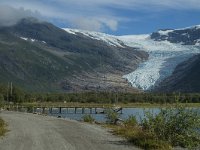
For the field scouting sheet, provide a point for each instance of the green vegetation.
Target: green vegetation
(131, 121)
(171, 127)
(111, 116)
(1, 99)
(88, 118)
(20, 96)
(2, 127)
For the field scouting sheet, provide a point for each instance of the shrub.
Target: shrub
(30, 109)
(147, 140)
(88, 118)
(1, 100)
(178, 126)
(111, 116)
(131, 121)
(141, 138)
(2, 127)
(172, 127)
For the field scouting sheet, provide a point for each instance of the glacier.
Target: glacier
(163, 59)
(163, 55)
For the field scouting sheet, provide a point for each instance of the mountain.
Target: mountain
(170, 66)
(39, 56)
(185, 36)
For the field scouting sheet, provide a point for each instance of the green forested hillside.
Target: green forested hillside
(20, 96)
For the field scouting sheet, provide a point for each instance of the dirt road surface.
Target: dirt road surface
(37, 132)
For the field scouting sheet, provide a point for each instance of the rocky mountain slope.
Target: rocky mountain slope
(185, 36)
(38, 56)
(185, 78)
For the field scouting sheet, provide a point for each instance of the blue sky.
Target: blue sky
(118, 17)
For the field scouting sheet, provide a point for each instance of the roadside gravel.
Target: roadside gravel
(37, 132)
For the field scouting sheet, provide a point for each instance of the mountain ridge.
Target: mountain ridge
(42, 56)
(39, 56)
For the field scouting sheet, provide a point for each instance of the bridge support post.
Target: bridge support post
(34, 109)
(43, 110)
(50, 110)
(75, 109)
(60, 110)
(83, 110)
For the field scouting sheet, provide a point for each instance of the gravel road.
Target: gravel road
(37, 132)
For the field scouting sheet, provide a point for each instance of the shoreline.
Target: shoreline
(85, 105)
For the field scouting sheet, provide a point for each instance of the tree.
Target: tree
(1, 98)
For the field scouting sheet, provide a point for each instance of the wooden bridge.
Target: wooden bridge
(64, 109)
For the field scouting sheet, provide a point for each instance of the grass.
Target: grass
(2, 127)
(88, 118)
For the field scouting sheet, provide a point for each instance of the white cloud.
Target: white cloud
(10, 16)
(96, 14)
(111, 23)
(87, 24)
(95, 24)
(136, 4)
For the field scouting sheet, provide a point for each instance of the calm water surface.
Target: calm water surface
(126, 112)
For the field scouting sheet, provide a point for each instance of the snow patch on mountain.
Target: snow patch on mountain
(28, 39)
(109, 39)
(197, 42)
(23, 38)
(71, 31)
(165, 32)
(32, 40)
(191, 27)
(163, 58)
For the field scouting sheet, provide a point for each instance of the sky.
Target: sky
(118, 17)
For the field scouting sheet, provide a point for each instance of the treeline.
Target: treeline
(19, 96)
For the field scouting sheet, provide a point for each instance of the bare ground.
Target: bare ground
(36, 132)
